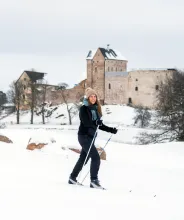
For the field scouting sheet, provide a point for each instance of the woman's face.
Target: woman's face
(92, 99)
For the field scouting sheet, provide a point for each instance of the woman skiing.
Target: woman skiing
(90, 114)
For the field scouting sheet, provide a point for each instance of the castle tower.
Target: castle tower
(102, 62)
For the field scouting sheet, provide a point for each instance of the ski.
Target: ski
(86, 186)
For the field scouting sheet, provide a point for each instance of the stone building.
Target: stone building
(101, 62)
(45, 92)
(23, 86)
(107, 73)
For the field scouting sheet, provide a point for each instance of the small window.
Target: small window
(136, 80)
(130, 101)
(136, 88)
(156, 87)
(109, 86)
(95, 69)
(24, 79)
(23, 97)
(24, 87)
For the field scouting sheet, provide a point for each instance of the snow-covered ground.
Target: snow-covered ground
(143, 182)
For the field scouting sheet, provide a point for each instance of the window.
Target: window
(136, 80)
(108, 69)
(24, 87)
(109, 86)
(24, 79)
(95, 69)
(156, 87)
(136, 88)
(23, 97)
(130, 101)
(112, 69)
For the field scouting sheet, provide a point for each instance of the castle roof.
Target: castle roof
(109, 54)
(34, 76)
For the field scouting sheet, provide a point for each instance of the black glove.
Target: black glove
(113, 130)
(99, 122)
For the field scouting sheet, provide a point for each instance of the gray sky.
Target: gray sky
(54, 36)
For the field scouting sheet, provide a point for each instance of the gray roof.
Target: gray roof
(34, 76)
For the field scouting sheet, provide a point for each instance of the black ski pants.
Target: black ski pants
(85, 142)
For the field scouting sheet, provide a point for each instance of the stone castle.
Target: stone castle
(107, 74)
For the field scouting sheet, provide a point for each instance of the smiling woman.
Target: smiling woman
(90, 121)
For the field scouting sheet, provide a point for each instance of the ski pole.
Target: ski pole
(100, 153)
(88, 151)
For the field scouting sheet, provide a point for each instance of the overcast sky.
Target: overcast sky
(54, 36)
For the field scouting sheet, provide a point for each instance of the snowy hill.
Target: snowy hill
(113, 114)
(143, 182)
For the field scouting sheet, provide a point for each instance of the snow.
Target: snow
(143, 182)
(43, 138)
(8, 105)
(118, 57)
(108, 55)
(91, 54)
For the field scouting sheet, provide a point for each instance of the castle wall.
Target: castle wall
(143, 86)
(115, 66)
(72, 95)
(116, 86)
(138, 87)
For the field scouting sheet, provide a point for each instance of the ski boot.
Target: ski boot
(96, 184)
(73, 181)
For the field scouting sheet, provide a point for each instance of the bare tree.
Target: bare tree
(142, 116)
(169, 117)
(34, 93)
(3, 98)
(73, 109)
(11, 93)
(41, 99)
(32, 98)
(16, 96)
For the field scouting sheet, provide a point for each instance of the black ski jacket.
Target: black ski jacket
(87, 126)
